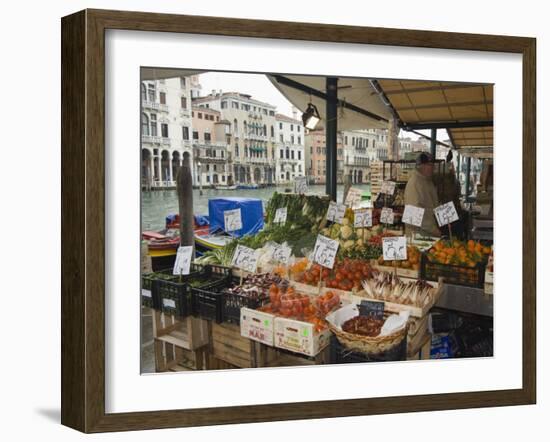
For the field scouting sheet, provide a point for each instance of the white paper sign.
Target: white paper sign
(413, 215)
(232, 220)
(325, 251)
(336, 212)
(168, 303)
(147, 293)
(280, 215)
(183, 260)
(386, 216)
(353, 197)
(388, 187)
(394, 248)
(446, 214)
(362, 218)
(245, 258)
(281, 253)
(300, 184)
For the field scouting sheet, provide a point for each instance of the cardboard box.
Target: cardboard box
(300, 337)
(258, 326)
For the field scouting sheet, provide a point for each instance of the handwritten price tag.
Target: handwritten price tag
(280, 215)
(386, 216)
(281, 253)
(245, 258)
(394, 248)
(446, 214)
(388, 187)
(362, 218)
(325, 251)
(183, 260)
(336, 212)
(372, 308)
(300, 184)
(353, 197)
(413, 215)
(232, 220)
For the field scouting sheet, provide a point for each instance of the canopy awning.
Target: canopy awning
(360, 105)
(464, 109)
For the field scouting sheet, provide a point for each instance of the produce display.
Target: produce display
(386, 286)
(304, 212)
(412, 261)
(466, 254)
(288, 303)
(363, 325)
(256, 286)
(346, 274)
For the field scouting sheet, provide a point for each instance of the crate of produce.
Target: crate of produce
(457, 262)
(257, 325)
(189, 333)
(300, 336)
(252, 293)
(207, 300)
(147, 298)
(173, 291)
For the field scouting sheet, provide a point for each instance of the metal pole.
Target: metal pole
(433, 142)
(200, 178)
(468, 167)
(458, 172)
(331, 136)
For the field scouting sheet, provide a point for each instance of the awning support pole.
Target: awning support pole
(468, 167)
(331, 136)
(433, 142)
(458, 172)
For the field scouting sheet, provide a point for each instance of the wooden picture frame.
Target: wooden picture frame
(83, 211)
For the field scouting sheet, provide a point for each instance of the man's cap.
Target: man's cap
(424, 158)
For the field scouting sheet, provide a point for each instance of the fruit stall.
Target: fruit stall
(319, 285)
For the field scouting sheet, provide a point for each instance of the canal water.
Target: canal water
(156, 205)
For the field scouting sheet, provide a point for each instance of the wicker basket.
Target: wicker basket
(367, 344)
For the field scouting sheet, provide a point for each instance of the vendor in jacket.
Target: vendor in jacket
(421, 192)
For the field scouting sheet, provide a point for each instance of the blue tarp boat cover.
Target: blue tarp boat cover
(201, 220)
(252, 215)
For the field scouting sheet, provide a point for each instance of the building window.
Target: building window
(353, 141)
(235, 126)
(300, 155)
(272, 132)
(207, 138)
(299, 166)
(346, 140)
(282, 153)
(151, 92)
(287, 153)
(299, 140)
(373, 144)
(245, 151)
(144, 124)
(195, 135)
(182, 82)
(264, 111)
(217, 118)
(184, 102)
(185, 132)
(272, 113)
(318, 150)
(143, 92)
(154, 125)
(292, 127)
(199, 115)
(292, 154)
(367, 142)
(265, 130)
(234, 105)
(222, 154)
(281, 138)
(281, 126)
(162, 96)
(236, 150)
(164, 130)
(224, 104)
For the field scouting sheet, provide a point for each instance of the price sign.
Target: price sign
(325, 250)
(232, 220)
(386, 216)
(446, 214)
(300, 184)
(281, 253)
(336, 212)
(280, 215)
(183, 260)
(388, 187)
(394, 248)
(353, 197)
(245, 258)
(362, 218)
(413, 215)
(371, 308)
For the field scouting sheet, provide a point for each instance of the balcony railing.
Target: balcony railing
(154, 106)
(165, 141)
(151, 139)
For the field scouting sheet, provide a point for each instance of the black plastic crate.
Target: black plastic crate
(207, 301)
(340, 354)
(217, 272)
(453, 274)
(173, 292)
(232, 303)
(148, 297)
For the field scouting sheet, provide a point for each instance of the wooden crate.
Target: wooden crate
(227, 344)
(170, 357)
(288, 359)
(189, 333)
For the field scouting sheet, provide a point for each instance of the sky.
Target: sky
(262, 89)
